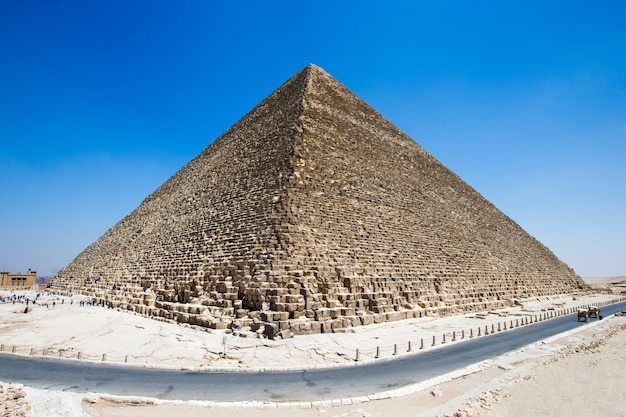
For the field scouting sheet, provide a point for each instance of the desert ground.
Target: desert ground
(578, 373)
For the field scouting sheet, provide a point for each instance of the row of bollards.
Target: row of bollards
(487, 329)
(46, 352)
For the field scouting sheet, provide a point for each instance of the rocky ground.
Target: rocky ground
(13, 401)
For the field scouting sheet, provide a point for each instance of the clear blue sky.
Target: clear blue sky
(101, 102)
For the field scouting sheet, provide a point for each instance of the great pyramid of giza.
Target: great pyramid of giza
(313, 213)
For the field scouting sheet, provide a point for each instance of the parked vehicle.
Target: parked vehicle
(594, 310)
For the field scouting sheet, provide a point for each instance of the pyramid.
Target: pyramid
(313, 213)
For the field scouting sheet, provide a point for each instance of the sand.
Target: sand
(560, 376)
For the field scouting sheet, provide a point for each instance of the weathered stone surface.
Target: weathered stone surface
(13, 401)
(310, 214)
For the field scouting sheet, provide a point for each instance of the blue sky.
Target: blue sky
(101, 102)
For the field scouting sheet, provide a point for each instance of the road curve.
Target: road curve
(277, 386)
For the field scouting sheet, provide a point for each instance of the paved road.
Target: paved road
(332, 383)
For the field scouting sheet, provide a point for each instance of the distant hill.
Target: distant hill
(607, 280)
(615, 285)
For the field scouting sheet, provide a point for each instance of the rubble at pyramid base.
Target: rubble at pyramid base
(290, 319)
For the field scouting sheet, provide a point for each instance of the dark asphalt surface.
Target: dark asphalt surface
(310, 385)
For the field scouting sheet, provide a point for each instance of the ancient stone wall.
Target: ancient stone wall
(313, 213)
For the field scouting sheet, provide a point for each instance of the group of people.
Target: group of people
(20, 298)
(41, 298)
(91, 302)
(12, 298)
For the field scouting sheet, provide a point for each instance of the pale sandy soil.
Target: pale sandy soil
(542, 379)
(587, 380)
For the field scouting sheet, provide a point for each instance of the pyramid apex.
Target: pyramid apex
(313, 69)
(312, 66)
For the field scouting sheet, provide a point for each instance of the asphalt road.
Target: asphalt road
(311, 385)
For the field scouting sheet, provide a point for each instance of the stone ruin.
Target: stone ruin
(313, 213)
